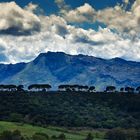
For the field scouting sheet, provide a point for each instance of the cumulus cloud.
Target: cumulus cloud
(57, 35)
(126, 1)
(31, 7)
(62, 6)
(83, 13)
(15, 20)
(117, 18)
(114, 17)
(102, 43)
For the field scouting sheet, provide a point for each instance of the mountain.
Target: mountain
(59, 68)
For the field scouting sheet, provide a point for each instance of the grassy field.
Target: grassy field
(29, 130)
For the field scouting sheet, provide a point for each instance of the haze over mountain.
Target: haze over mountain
(57, 68)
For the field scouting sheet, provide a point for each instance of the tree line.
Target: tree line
(71, 109)
(67, 88)
(113, 134)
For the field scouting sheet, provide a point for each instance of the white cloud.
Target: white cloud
(62, 6)
(83, 13)
(13, 17)
(31, 7)
(114, 17)
(57, 35)
(126, 1)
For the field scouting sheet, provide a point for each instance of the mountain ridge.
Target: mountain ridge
(59, 68)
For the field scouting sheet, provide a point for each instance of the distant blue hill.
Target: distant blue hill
(57, 68)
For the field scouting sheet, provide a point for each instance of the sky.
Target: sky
(100, 28)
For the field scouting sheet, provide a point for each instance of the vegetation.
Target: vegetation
(42, 87)
(72, 107)
(68, 88)
(18, 131)
(121, 134)
(30, 132)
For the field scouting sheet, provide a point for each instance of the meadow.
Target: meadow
(29, 130)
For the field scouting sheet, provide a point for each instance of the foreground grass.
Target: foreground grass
(29, 130)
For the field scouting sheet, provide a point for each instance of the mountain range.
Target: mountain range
(57, 68)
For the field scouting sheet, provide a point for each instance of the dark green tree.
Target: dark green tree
(62, 137)
(92, 89)
(40, 136)
(20, 88)
(110, 89)
(116, 134)
(122, 89)
(129, 89)
(89, 137)
(138, 89)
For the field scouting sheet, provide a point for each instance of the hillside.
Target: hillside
(60, 68)
(93, 110)
(29, 130)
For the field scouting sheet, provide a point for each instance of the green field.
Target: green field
(29, 130)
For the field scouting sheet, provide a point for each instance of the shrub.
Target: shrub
(62, 137)
(8, 135)
(120, 134)
(89, 137)
(40, 136)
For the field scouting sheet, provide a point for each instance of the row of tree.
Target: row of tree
(93, 89)
(11, 88)
(68, 88)
(76, 88)
(39, 87)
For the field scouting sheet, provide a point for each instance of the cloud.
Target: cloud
(83, 13)
(113, 17)
(14, 19)
(62, 6)
(117, 18)
(56, 34)
(102, 43)
(31, 7)
(126, 1)
(3, 57)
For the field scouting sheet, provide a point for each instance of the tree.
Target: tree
(53, 137)
(62, 137)
(6, 135)
(61, 87)
(11, 87)
(138, 89)
(110, 89)
(16, 135)
(1, 87)
(116, 134)
(129, 89)
(40, 136)
(39, 87)
(20, 88)
(83, 88)
(16, 117)
(75, 87)
(92, 89)
(64, 88)
(121, 134)
(122, 89)
(89, 137)
(45, 86)
(8, 87)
